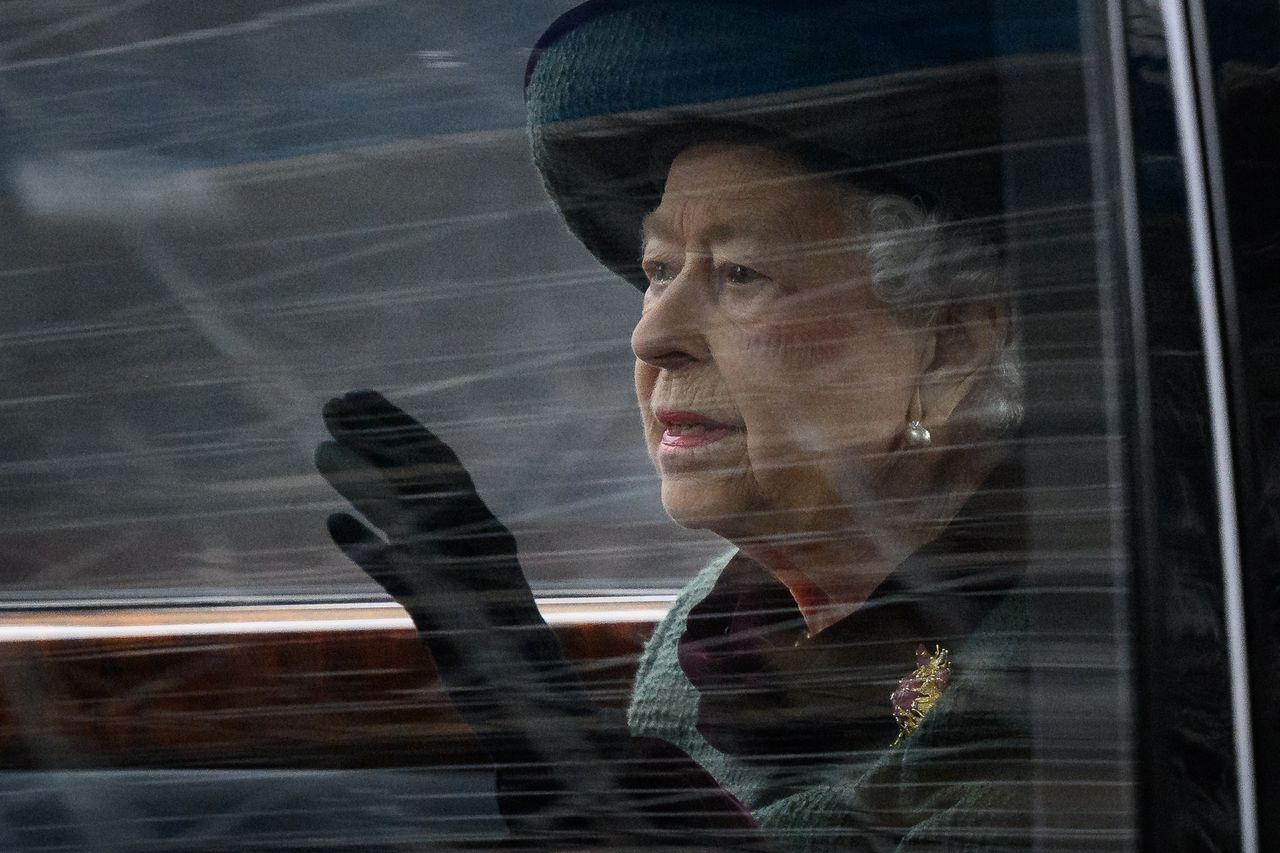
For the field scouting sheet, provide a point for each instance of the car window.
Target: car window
(1240, 79)
(775, 424)
(220, 217)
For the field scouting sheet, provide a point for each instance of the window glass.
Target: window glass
(220, 216)
(878, 469)
(1244, 49)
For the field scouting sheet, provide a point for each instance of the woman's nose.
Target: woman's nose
(671, 332)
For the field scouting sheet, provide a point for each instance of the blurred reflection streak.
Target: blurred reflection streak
(88, 94)
(146, 518)
(378, 248)
(418, 294)
(63, 266)
(254, 810)
(67, 569)
(438, 291)
(263, 123)
(302, 620)
(67, 26)
(558, 355)
(85, 331)
(264, 21)
(71, 464)
(280, 395)
(276, 505)
(121, 188)
(37, 400)
(434, 222)
(558, 508)
(31, 688)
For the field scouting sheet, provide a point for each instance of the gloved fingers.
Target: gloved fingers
(499, 662)
(421, 582)
(478, 665)
(470, 537)
(502, 666)
(449, 535)
(427, 485)
(367, 550)
(434, 483)
(453, 567)
(367, 414)
(366, 421)
(448, 615)
(363, 484)
(424, 573)
(439, 607)
(457, 524)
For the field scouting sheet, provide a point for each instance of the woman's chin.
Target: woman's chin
(704, 503)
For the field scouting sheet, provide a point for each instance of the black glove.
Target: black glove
(567, 771)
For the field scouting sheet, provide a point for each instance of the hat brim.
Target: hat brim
(939, 134)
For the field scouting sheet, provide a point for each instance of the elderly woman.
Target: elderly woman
(825, 368)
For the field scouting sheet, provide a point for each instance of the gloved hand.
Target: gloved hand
(567, 770)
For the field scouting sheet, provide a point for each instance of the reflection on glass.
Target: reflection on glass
(831, 379)
(871, 359)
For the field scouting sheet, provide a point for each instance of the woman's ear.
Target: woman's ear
(960, 345)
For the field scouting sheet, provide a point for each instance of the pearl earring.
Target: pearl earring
(918, 436)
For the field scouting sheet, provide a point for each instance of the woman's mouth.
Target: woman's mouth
(690, 429)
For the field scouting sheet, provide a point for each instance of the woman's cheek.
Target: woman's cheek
(800, 344)
(646, 378)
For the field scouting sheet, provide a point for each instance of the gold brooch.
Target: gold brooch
(917, 692)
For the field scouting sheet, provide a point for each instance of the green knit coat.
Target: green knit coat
(959, 782)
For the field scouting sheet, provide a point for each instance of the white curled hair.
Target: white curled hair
(919, 264)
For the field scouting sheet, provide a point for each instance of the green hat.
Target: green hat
(915, 96)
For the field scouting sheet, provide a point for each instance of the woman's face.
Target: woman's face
(772, 383)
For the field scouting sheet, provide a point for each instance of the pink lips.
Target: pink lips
(690, 429)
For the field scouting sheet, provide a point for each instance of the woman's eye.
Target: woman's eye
(657, 270)
(738, 274)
